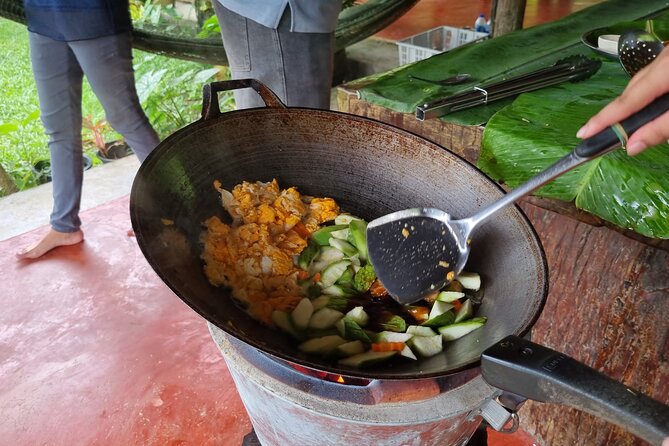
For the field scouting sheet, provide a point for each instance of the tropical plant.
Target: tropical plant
(173, 99)
(16, 134)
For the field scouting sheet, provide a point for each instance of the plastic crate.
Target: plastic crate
(435, 41)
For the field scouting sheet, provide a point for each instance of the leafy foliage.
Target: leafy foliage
(171, 95)
(540, 127)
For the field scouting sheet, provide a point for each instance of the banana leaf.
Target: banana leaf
(540, 127)
(498, 58)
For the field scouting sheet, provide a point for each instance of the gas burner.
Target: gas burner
(292, 404)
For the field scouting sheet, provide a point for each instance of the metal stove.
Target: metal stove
(292, 406)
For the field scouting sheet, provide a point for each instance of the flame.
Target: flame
(340, 379)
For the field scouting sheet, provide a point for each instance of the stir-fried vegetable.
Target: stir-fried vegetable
(292, 269)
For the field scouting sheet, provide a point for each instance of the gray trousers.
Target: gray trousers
(295, 66)
(58, 69)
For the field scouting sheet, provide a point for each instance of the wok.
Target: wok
(371, 169)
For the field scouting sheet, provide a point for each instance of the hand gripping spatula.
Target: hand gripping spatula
(416, 252)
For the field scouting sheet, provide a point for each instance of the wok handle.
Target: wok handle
(539, 373)
(210, 107)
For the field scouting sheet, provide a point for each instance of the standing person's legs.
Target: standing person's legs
(107, 64)
(296, 66)
(58, 78)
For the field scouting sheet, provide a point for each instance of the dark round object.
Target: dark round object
(371, 169)
(636, 49)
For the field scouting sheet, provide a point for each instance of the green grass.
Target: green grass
(170, 90)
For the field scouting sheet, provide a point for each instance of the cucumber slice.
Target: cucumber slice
(318, 333)
(418, 330)
(471, 281)
(327, 256)
(441, 320)
(320, 302)
(438, 308)
(358, 237)
(450, 296)
(282, 320)
(407, 353)
(391, 336)
(342, 234)
(344, 246)
(350, 349)
(308, 255)
(337, 290)
(346, 279)
(325, 318)
(456, 331)
(302, 313)
(322, 236)
(349, 329)
(427, 346)
(359, 316)
(322, 345)
(345, 219)
(465, 311)
(333, 272)
(366, 359)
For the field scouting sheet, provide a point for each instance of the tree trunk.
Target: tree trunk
(7, 185)
(507, 16)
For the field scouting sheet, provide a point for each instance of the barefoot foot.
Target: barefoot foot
(52, 239)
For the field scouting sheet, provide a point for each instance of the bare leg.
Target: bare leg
(51, 240)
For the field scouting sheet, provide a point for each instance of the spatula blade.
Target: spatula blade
(412, 252)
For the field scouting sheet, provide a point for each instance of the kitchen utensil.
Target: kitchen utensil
(416, 252)
(570, 69)
(453, 80)
(370, 168)
(637, 48)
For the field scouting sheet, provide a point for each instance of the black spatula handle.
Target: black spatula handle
(591, 147)
(539, 373)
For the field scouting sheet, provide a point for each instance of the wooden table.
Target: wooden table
(608, 305)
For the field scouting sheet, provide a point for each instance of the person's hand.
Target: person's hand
(665, 442)
(646, 85)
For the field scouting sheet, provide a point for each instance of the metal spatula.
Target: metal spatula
(416, 252)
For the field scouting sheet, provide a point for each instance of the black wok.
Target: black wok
(371, 169)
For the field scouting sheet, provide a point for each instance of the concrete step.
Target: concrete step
(29, 209)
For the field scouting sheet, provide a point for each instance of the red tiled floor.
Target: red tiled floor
(96, 350)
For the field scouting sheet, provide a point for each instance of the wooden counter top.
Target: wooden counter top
(466, 142)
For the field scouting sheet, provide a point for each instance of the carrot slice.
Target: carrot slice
(377, 289)
(388, 346)
(419, 313)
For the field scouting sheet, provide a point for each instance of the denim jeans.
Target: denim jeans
(58, 69)
(296, 66)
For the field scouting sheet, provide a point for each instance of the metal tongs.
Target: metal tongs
(572, 69)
